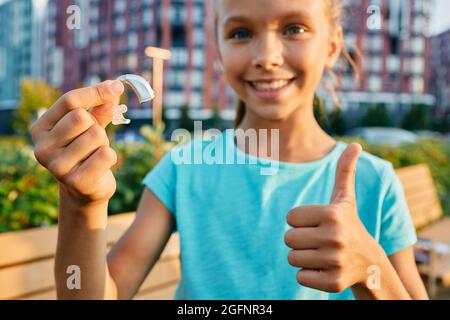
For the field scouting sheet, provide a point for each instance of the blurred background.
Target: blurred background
(399, 107)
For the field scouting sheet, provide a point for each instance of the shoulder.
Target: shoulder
(374, 171)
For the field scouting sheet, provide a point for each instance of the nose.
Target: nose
(268, 53)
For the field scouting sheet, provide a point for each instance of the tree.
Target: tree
(377, 116)
(441, 123)
(185, 122)
(35, 95)
(216, 121)
(418, 118)
(337, 123)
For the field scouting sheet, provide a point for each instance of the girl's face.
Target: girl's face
(274, 52)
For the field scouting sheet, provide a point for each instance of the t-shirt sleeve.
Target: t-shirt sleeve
(397, 228)
(161, 180)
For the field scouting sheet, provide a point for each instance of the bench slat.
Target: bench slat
(29, 245)
(413, 172)
(164, 292)
(439, 231)
(23, 279)
(421, 194)
(41, 281)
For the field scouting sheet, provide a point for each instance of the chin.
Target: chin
(273, 112)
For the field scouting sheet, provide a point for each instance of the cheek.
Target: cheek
(235, 64)
(308, 61)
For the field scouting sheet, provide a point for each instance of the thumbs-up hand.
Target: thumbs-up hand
(329, 242)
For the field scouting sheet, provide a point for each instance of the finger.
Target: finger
(78, 151)
(85, 98)
(309, 259)
(94, 168)
(303, 238)
(344, 186)
(105, 113)
(305, 216)
(72, 125)
(322, 280)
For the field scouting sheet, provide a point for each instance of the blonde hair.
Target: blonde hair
(335, 14)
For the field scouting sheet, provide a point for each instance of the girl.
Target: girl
(330, 223)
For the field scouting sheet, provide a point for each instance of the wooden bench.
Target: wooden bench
(427, 214)
(27, 261)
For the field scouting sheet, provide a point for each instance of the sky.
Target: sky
(440, 20)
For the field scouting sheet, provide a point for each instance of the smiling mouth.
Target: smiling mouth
(269, 89)
(270, 85)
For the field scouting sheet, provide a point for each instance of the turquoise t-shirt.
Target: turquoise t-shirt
(231, 219)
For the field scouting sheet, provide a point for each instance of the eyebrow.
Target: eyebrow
(289, 15)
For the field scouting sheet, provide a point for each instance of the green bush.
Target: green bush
(35, 95)
(134, 162)
(434, 152)
(417, 118)
(28, 193)
(377, 115)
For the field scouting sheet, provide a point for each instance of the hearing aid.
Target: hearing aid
(141, 88)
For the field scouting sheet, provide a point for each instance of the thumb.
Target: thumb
(103, 114)
(344, 186)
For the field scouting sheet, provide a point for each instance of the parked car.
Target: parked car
(390, 136)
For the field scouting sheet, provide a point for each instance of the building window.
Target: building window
(133, 40)
(417, 85)
(120, 25)
(374, 83)
(119, 6)
(132, 61)
(178, 36)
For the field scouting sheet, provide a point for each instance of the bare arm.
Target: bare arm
(399, 279)
(73, 145)
(135, 254)
(405, 265)
(118, 275)
(82, 243)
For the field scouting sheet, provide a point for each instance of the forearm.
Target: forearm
(383, 284)
(82, 244)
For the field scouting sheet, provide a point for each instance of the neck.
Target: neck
(301, 139)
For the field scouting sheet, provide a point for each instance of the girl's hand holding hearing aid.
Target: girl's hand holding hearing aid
(329, 242)
(72, 143)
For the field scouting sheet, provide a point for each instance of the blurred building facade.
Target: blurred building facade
(92, 40)
(440, 72)
(22, 53)
(112, 38)
(392, 39)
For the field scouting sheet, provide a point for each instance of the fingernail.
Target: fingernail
(117, 87)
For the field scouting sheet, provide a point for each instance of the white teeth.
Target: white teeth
(266, 86)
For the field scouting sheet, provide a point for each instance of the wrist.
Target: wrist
(93, 215)
(375, 262)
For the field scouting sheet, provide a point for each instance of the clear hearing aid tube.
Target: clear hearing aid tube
(141, 88)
